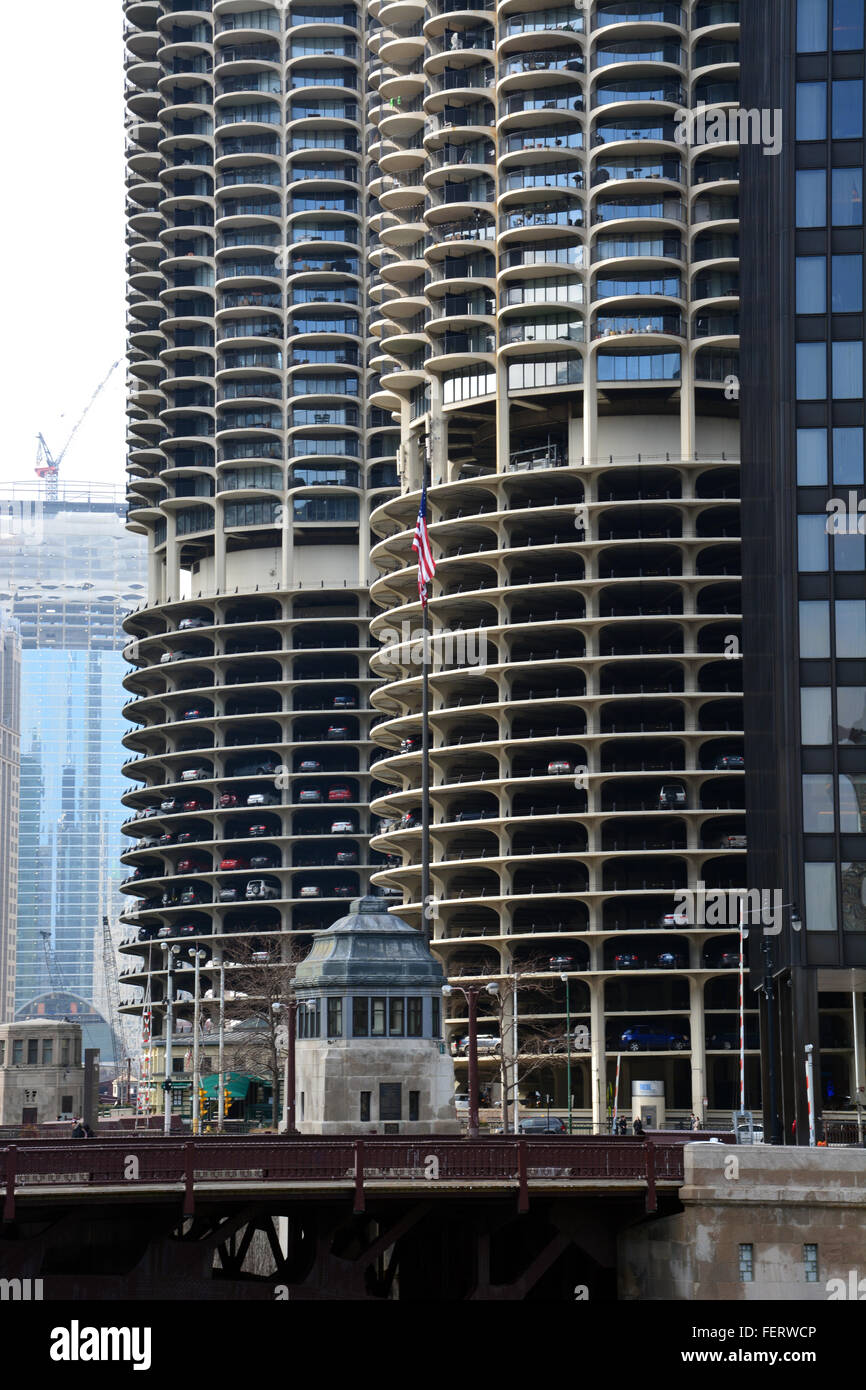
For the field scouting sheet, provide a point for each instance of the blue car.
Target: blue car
(650, 1037)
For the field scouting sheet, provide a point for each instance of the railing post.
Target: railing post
(360, 1203)
(189, 1179)
(9, 1201)
(651, 1200)
(522, 1188)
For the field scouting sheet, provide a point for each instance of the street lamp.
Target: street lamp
(198, 957)
(290, 1099)
(567, 981)
(169, 952)
(470, 994)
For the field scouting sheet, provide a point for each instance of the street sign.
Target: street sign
(179, 1085)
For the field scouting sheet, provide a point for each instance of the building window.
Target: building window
(302, 1104)
(436, 1017)
(365, 1106)
(847, 371)
(65, 1105)
(811, 371)
(847, 198)
(851, 714)
(818, 814)
(851, 629)
(32, 1052)
(64, 1052)
(816, 720)
(847, 109)
(395, 1017)
(811, 457)
(847, 25)
(47, 1052)
(812, 111)
(853, 897)
(414, 1105)
(390, 1100)
(812, 547)
(812, 284)
(308, 1018)
(849, 553)
(361, 1017)
(811, 26)
(812, 197)
(335, 1018)
(17, 1051)
(747, 1264)
(810, 1262)
(847, 284)
(415, 1018)
(820, 903)
(848, 455)
(852, 806)
(2, 1052)
(377, 1018)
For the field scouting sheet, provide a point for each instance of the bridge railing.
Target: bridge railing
(136, 1161)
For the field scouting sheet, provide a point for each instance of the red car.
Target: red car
(339, 794)
(228, 799)
(195, 804)
(233, 861)
(192, 866)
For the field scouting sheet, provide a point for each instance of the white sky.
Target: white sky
(63, 294)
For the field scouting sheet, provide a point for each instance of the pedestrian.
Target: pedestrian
(88, 1132)
(78, 1130)
(696, 1122)
(640, 1132)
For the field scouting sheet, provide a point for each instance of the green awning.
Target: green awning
(237, 1084)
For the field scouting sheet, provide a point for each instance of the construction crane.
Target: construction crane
(47, 466)
(54, 974)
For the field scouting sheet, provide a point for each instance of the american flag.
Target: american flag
(421, 546)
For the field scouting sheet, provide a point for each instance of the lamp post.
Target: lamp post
(169, 1029)
(470, 994)
(198, 957)
(221, 1095)
(290, 1008)
(568, 1041)
(769, 996)
(810, 1094)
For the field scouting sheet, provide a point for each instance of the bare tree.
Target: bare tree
(262, 989)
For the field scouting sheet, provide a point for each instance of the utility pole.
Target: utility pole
(221, 1098)
(771, 1110)
(169, 1028)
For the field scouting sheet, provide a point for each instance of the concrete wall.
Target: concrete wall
(28, 1086)
(775, 1199)
(332, 1075)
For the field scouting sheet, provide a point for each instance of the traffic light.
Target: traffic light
(202, 1101)
(166, 1085)
(227, 1101)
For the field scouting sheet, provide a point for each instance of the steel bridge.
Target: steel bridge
(273, 1217)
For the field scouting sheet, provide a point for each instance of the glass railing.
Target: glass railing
(319, 203)
(631, 130)
(716, 12)
(247, 236)
(536, 374)
(323, 477)
(347, 17)
(251, 299)
(637, 366)
(711, 248)
(542, 216)
(548, 177)
(235, 478)
(716, 326)
(546, 60)
(227, 269)
(332, 77)
(313, 356)
(234, 390)
(324, 386)
(607, 248)
(242, 52)
(319, 294)
(453, 78)
(268, 115)
(632, 208)
(306, 232)
(313, 110)
(346, 173)
(347, 444)
(545, 140)
(639, 51)
(712, 93)
(718, 209)
(250, 19)
(552, 330)
(303, 415)
(612, 325)
(348, 265)
(645, 11)
(463, 342)
(670, 285)
(639, 91)
(251, 419)
(544, 292)
(325, 509)
(706, 54)
(716, 286)
(258, 174)
(261, 82)
(711, 170)
(251, 328)
(339, 140)
(250, 449)
(544, 101)
(249, 144)
(551, 255)
(237, 207)
(618, 170)
(562, 17)
(337, 47)
(250, 359)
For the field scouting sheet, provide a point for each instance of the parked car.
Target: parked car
(311, 890)
(344, 702)
(170, 805)
(195, 712)
(310, 794)
(732, 842)
(163, 932)
(339, 794)
(542, 1124)
(731, 762)
(408, 745)
(346, 856)
(185, 837)
(672, 795)
(191, 928)
(192, 895)
(558, 766)
(727, 959)
(261, 799)
(310, 765)
(187, 624)
(233, 861)
(409, 820)
(627, 960)
(646, 1037)
(342, 827)
(668, 960)
(264, 861)
(342, 891)
(195, 803)
(461, 1101)
(337, 731)
(230, 894)
(195, 774)
(192, 866)
(146, 933)
(228, 799)
(679, 918)
(488, 1043)
(260, 888)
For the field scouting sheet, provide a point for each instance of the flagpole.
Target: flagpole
(425, 773)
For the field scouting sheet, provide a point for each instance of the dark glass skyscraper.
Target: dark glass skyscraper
(804, 556)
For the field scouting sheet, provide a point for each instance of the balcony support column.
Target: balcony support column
(698, 1047)
(598, 1062)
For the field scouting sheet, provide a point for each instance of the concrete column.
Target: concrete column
(590, 408)
(219, 543)
(438, 430)
(698, 1046)
(598, 1064)
(503, 425)
(687, 403)
(90, 1107)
